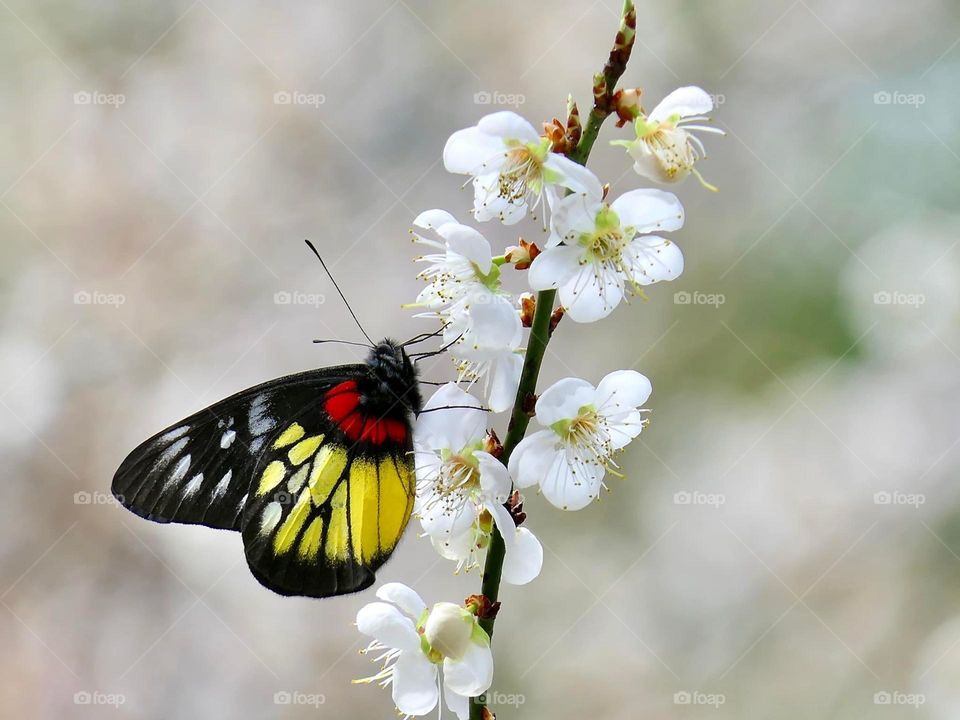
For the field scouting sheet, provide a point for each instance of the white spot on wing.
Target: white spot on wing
(259, 422)
(180, 471)
(170, 453)
(174, 434)
(221, 487)
(270, 517)
(227, 439)
(193, 485)
(297, 479)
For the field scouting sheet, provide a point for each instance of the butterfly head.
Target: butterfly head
(396, 374)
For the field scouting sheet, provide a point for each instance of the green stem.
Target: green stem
(540, 328)
(519, 419)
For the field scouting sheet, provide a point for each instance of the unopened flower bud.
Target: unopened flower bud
(448, 629)
(528, 305)
(520, 256)
(626, 103)
(492, 444)
(556, 133)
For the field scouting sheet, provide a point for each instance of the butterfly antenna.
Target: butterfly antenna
(339, 291)
(423, 336)
(433, 353)
(456, 407)
(342, 342)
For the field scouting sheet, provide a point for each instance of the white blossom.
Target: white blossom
(512, 167)
(456, 479)
(666, 149)
(422, 649)
(584, 428)
(523, 558)
(599, 252)
(485, 340)
(461, 271)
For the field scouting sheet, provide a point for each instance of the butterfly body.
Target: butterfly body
(315, 470)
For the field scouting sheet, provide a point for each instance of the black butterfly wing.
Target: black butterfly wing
(199, 470)
(330, 498)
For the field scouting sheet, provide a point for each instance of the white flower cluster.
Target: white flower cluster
(597, 253)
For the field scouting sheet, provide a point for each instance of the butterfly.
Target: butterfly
(315, 470)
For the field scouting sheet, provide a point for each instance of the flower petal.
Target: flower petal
(471, 151)
(532, 457)
(553, 266)
(504, 521)
(571, 485)
(524, 558)
(654, 258)
(574, 175)
(494, 478)
(493, 325)
(458, 704)
(649, 210)
(685, 101)
(472, 674)
(592, 293)
(465, 241)
(443, 518)
(508, 126)
(457, 547)
(504, 380)
(453, 426)
(563, 400)
(622, 389)
(415, 690)
(624, 427)
(572, 216)
(433, 219)
(403, 597)
(487, 203)
(388, 626)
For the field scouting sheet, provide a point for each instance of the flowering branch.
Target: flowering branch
(540, 330)
(468, 499)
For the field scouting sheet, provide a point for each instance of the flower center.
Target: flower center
(523, 172)
(587, 435)
(608, 240)
(605, 244)
(459, 475)
(583, 427)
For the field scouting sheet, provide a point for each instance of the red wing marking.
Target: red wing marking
(341, 403)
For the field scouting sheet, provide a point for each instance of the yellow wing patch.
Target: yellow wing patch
(289, 436)
(345, 508)
(304, 449)
(364, 507)
(272, 475)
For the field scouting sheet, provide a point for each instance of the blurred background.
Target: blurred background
(787, 540)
